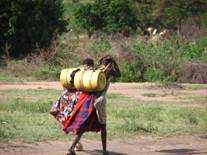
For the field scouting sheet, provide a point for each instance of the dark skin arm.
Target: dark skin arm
(116, 70)
(113, 70)
(72, 75)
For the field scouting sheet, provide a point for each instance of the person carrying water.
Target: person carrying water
(63, 107)
(92, 118)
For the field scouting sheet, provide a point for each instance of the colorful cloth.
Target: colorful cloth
(83, 117)
(63, 107)
(76, 111)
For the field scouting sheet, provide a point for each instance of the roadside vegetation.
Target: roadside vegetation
(151, 40)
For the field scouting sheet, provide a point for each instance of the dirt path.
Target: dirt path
(140, 91)
(179, 145)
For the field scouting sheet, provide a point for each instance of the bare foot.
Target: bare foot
(79, 147)
(71, 152)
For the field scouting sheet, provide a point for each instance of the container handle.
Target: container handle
(106, 67)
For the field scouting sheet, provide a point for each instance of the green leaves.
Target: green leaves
(27, 25)
(110, 16)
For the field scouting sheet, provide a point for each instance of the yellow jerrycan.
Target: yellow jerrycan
(90, 80)
(65, 79)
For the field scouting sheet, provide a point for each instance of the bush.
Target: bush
(111, 16)
(89, 17)
(47, 73)
(153, 74)
(133, 70)
(98, 47)
(28, 25)
(196, 50)
(162, 61)
(120, 17)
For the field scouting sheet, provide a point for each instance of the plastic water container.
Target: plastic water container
(90, 80)
(65, 78)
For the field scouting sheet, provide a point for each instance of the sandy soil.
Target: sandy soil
(179, 145)
(139, 91)
(143, 145)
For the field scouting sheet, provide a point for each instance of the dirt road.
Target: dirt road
(180, 145)
(139, 91)
(142, 145)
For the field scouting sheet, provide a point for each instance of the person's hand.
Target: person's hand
(72, 75)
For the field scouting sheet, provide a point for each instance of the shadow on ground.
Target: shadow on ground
(181, 151)
(99, 152)
(204, 136)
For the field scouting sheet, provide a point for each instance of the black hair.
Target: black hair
(88, 61)
(105, 60)
(114, 71)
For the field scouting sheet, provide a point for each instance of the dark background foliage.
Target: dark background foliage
(124, 16)
(36, 40)
(29, 24)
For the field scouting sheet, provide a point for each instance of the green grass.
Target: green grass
(4, 77)
(31, 95)
(28, 126)
(159, 120)
(24, 116)
(129, 117)
(195, 86)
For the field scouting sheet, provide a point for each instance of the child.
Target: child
(62, 109)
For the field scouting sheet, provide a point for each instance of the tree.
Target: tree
(176, 12)
(27, 25)
(110, 16)
(169, 14)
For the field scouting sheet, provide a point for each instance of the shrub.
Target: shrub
(89, 17)
(133, 70)
(47, 73)
(98, 47)
(129, 72)
(144, 12)
(153, 74)
(196, 50)
(120, 17)
(174, 13)
(111, 16)
(161, 60)
(28, 25)
(192, 51)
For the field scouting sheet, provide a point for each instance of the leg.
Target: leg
(104, 138)
(79, 146)
(75, 141)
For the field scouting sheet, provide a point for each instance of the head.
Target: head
(110, 66)
(88, 63)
